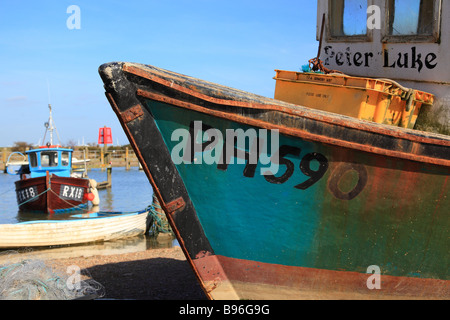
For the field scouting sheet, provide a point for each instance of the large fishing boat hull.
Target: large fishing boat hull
(84, 228)
(357, 210)
(52, 193)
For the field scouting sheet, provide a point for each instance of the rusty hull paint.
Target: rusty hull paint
(395, 231)
(154, 84)
(255, 281)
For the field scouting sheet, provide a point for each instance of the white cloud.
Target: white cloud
(16, 99)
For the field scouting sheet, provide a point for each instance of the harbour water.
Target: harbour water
(130, 191)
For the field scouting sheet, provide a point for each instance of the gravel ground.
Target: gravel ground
(155, 274)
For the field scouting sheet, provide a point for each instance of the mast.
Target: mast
(50, 121)
(49, 126)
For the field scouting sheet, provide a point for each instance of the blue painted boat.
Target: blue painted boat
(47, 184)
(350, 209)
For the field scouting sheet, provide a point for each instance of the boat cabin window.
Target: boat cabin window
(49, 159)
(65, 158)
(410, 20)
(33, 159)
(348, 19)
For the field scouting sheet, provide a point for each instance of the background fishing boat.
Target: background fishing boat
(356, 210)
(47, 184)
(80, 228)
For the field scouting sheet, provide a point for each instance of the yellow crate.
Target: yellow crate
(378, 100)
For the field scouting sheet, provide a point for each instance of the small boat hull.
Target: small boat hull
(52, 194)
(358, 210)
(94, 227)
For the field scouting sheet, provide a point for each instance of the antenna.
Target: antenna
(49, 125)
(48, 92)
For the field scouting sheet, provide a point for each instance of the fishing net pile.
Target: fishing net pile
(33, 279)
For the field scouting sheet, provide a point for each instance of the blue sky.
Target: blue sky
(233, 43)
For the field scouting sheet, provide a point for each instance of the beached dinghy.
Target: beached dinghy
(356, 209)
(80, 228)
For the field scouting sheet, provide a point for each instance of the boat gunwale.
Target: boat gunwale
(298, 110)
(106, 216)
(297, 132)
(416, 137)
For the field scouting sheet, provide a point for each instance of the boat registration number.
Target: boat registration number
(27, 194)
(71, 193)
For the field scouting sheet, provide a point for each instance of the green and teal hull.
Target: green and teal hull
(356, 210)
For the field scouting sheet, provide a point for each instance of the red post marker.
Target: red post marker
(105, 136)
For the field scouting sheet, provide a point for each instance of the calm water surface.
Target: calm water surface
(130, 191)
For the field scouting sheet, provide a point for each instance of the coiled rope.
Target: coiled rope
(159, 223)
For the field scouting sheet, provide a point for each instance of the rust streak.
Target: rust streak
(132, 113)
(175, 205)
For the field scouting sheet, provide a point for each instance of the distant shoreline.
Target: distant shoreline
(96, 157)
